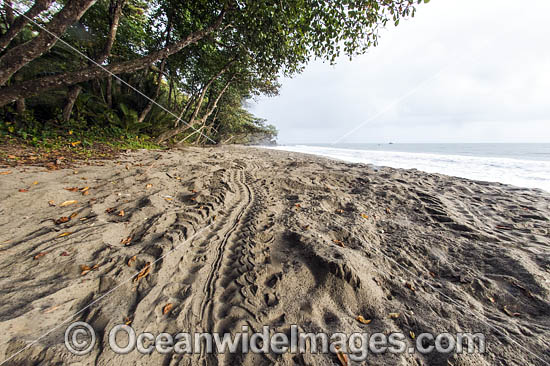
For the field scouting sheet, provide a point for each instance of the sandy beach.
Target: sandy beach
(211, 239)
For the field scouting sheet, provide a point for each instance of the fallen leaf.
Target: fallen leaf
(12, 157)
(393, 315)
(144, 272)
(61, 220)
(110, 210)
(68, 203)
(121, 213)
(84, 189)
(85, 193)
(411, 333)
(64, 254)
(149, 186)
(127, 321)
(49, 310)
(73, 144)
(84, 270)
(340, 211)
(297, 205)
(410, 286)
(170, 199)
(364, 216)
(72, 189)
(22, 190)
(510, 313)
(388, 210)
(131, 260)
(491, 299)
(51, 203)
(73, 215)
(338, 242)
(6, 172)
(342, 357)
(64, 234)
(360, 319)
(39, 255)
(166, 309)
(126, 241)
(35, 183)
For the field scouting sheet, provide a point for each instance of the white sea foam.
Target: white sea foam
(521, 173)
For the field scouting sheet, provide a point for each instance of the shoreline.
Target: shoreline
(248, 235)
(477, 168)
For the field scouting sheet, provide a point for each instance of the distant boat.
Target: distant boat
(391, 143)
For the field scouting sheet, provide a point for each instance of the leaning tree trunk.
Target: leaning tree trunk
(171, 133)
(74, 91)
(40, 85)
(72, 96)
(21, 21)
(149, 106)
(17, 57)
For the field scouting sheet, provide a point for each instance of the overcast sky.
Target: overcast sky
(460, 71)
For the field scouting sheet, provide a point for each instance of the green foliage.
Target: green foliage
(257, 42)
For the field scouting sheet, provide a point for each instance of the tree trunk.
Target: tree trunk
(116, 11)
(109, 91)
(209, 112)
(149, 106)
(40, 85)
(9, 13)
(21, 21)
(171, 133)
(72, 96)
(20, 106)
(17, 57)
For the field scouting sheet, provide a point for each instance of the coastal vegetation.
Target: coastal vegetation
(144, 73)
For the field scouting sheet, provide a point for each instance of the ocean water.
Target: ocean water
(522, 165)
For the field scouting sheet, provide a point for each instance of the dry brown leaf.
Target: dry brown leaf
(364, 216)
(388, 210)
(6, 172)
(23, 190)
(510, 313)
(110, 210)
(410, 286)
(360, 319)
(126, 241)
(85, 193)
(297, 206)
(49, 310)
(61, 220)
(84, 189)
(73, 215)
(131, 260)
(64, 234)
(144, 272)
(51, 203)
(393, 315)
(340, 211)
(72, 189)
(84, 269)
(342, 357)
(12, 157)
(121, 213)
(338, 242)
(39, 255)
(68, 203)
(166, 309)
(64, 254)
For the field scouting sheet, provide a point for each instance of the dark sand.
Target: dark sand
(273, 238)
